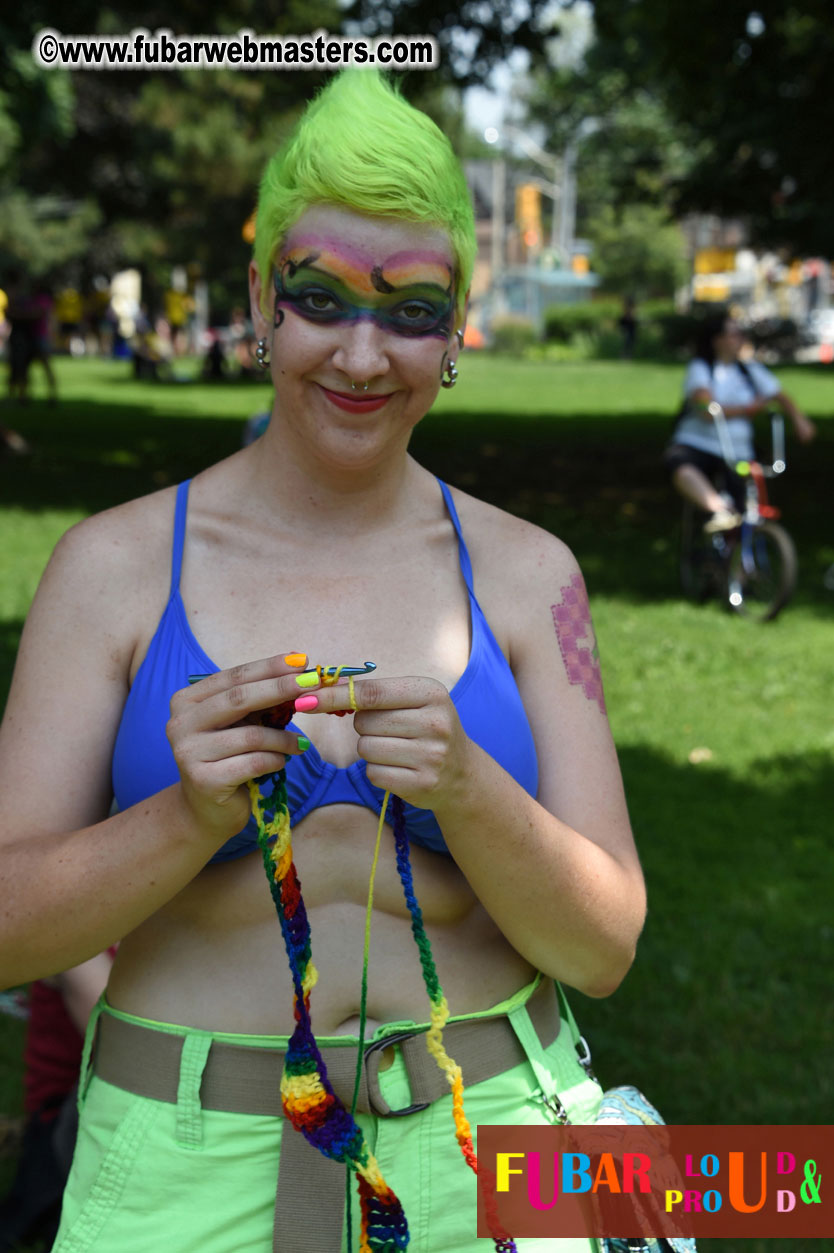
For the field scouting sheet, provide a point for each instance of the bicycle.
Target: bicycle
(753, 567)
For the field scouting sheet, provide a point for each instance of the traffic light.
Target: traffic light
(528, 214)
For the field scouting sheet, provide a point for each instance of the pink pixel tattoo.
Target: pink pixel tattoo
(572, 619)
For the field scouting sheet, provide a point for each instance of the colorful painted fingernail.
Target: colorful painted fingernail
(303, 742)
(304, 704)
(309, 678)
(295, 659)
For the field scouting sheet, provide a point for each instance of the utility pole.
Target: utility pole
(567, 204)
(499, 190)
(553, 165)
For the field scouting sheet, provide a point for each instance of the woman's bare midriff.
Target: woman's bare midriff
(214, 957)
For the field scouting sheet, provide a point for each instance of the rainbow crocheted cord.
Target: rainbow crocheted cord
(308, 1098)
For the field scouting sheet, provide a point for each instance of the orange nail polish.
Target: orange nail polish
(296, 659)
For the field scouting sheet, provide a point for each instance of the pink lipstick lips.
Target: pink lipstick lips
(359, 403)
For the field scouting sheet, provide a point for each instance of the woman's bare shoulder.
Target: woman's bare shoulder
(111, 571)
(514, 549)
(124, 541)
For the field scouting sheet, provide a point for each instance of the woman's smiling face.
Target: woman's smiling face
(360, 300)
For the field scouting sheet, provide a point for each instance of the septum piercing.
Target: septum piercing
(355, 386)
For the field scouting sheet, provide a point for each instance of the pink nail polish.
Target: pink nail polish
(304, 704)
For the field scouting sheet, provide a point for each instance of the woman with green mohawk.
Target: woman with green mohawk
(437, 858)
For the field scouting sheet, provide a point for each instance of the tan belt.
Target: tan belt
(246, 1080)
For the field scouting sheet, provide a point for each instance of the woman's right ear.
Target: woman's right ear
(260, 322)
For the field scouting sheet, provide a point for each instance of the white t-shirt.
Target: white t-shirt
(729, 386)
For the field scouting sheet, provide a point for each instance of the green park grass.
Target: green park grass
(727, 1015)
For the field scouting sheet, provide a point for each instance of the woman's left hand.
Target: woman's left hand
(409, 734)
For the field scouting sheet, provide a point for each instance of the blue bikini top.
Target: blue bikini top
(486, 698)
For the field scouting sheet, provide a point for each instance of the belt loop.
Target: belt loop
(195, 1051)
(86, 1071)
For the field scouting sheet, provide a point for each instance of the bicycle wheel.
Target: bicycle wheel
(697, 564)
(761, 574)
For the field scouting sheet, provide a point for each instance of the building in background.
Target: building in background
(519, 270)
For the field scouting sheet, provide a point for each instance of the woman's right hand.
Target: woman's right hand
(219, 742)
(804, 428)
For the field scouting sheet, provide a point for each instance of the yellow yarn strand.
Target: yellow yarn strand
(369, 909)
(451, 1069)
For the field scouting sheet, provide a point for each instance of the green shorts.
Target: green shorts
(155, 1177)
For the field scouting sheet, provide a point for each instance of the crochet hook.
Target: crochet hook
(344, 670)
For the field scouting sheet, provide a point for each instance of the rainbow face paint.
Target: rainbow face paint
(410, 294)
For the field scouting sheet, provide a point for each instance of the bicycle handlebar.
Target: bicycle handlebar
(777, 440)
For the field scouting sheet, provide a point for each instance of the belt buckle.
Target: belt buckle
(376, 1047)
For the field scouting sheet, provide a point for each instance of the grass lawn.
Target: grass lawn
(727, 1015)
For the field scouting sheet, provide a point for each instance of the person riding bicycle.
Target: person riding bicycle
(743, 389)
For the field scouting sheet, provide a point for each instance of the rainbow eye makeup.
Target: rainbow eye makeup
(411, 297)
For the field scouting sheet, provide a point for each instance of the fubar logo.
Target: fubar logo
(610, 1181)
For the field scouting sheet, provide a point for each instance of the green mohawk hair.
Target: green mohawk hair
(360, 146)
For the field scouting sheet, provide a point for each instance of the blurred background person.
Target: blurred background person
(627, 323)
(743, 389)
(42, 307)
(21, 315)
(59, 1009)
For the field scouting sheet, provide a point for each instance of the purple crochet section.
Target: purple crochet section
(572, 619)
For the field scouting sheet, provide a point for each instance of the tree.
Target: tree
(637, 251)
(629, 156)
(751, 93)
(108, 168)
(473, 37)
(36, 110)
(102, 169)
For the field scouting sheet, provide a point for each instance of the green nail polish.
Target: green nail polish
(310, 678)
(303, 743)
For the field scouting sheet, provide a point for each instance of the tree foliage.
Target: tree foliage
(637, 251)
(107, 168)
(36, 110)
(629, 156)
(139, 167)
(473, 37)
(628, 149)
(750, 90)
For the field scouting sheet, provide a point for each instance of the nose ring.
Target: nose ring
(355, 386)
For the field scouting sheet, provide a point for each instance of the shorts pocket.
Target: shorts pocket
(104, 1159)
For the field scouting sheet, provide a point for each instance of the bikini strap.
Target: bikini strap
(180, 514)
(465, 563)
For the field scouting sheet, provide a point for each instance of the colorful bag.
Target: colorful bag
(624, 1106)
